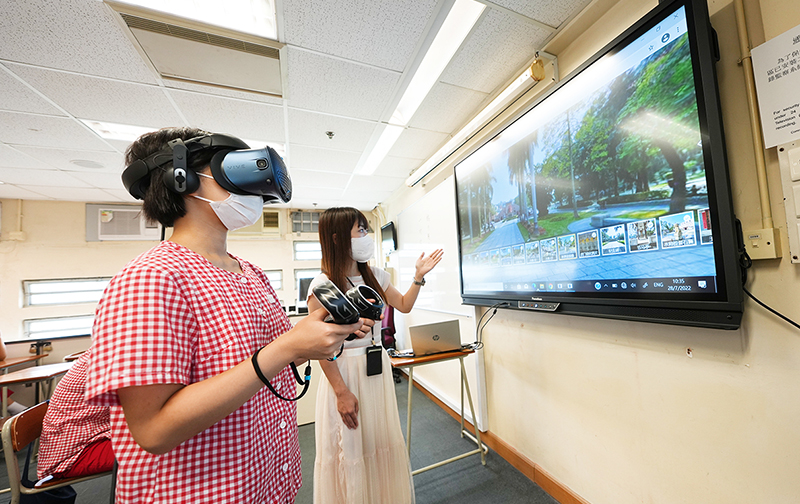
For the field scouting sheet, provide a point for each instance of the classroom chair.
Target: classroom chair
(18, 432)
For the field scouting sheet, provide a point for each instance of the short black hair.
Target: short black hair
(160, 204)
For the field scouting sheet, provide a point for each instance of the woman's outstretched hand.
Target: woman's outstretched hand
(427, 263)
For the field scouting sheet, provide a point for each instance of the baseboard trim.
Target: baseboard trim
(526, 466)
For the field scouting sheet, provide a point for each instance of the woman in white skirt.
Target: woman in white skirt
(361, 455)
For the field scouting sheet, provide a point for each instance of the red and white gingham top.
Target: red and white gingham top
(70, 424)
(170, 316)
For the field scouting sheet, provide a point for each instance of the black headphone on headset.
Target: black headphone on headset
(235, 167)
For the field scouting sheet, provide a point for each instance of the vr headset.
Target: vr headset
(235, 166)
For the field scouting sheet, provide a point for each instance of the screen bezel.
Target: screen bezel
(388, 234)
(721, 309)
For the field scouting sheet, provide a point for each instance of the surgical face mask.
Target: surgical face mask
(362, 248)
(236, 211)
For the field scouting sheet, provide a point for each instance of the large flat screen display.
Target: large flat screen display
(610, 196)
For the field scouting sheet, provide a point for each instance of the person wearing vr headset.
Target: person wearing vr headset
(186, 335)
(361, 456)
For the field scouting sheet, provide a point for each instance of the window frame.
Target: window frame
(29, 285)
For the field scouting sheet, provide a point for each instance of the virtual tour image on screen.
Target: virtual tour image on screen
(600, 187)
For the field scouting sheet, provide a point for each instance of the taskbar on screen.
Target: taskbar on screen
(704, 284)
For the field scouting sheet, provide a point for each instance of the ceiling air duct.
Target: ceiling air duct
(190, 51)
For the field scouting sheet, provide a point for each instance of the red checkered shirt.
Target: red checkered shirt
(70, 424)
(170, 316)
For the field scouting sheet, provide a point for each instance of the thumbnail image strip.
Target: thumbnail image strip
(612, 240)
(588, 244)
(642, 235)
(677, 230)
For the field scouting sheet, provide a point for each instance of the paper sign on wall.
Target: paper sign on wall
(776, 65)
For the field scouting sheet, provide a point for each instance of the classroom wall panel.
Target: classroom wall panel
(629, 412)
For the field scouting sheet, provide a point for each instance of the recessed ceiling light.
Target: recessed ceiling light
(86, 163)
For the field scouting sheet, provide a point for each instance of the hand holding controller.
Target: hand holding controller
(341, 309)
(360, 301)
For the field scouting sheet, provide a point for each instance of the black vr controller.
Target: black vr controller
(347, 308)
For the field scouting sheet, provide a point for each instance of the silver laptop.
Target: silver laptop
(435, 338)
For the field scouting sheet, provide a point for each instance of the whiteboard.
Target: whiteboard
(426, 225)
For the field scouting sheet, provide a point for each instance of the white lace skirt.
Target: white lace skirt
(369, 464)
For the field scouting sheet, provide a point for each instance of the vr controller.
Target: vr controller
(347, 308)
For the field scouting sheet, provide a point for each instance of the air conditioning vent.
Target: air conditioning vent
(196, 52)
(115, 224)
(271, 220)
(198, 36)
(268, 227)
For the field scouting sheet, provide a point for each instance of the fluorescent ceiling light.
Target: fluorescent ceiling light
(113, 131)
(502, 99)
(454, 30)
(256, 17)
(460, 20)
(385, 142)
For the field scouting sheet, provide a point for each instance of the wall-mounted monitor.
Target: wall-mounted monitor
(388, 238)
(610, 196)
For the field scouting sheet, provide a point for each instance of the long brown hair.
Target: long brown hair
(335, 225)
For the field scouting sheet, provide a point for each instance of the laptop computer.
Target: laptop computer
(439, 337)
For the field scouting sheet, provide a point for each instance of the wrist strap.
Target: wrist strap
(305, 381)
(258, 369)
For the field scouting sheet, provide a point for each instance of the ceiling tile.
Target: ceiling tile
(382, 33)
(309, 195)
(417, 143)
(57, 132)
(317, 82)
(13, 158)
(393, 166)
(76, 35)
(324, 160)
(499, 46)
(101, 180)
(103, 99)
(447, 108)
(18, 97)
(13, 192)
(549, 12)
(308, 128)
(365, 200)
(46, 178)
(63, 159)
(368, 184)
(318, 179)
(245, 119)
(89, 194)
(220, 91)
(121, 195)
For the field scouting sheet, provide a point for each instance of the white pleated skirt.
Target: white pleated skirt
(369, 464)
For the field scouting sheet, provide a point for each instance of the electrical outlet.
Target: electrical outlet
(762, 244)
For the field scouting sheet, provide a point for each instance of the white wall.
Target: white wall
(55, 247)
(617, 411)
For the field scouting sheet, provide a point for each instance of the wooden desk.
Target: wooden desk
(8, 363)
(411, 362)
(16, 361)
(41, 375)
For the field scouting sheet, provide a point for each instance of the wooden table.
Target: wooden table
(16, 361)
(411, 362)
(43, 376)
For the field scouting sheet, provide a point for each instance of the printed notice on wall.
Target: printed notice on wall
(776, 65)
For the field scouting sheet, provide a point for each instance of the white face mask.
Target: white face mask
(362, 248)
(236, 211)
